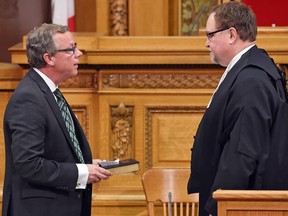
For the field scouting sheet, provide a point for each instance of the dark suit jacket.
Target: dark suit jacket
(235, 134)
(41, 172)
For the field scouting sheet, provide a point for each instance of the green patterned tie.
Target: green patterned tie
(69, 122)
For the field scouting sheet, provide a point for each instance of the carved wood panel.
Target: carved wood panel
(169, 132)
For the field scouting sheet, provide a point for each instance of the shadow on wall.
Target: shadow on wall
(17, 18)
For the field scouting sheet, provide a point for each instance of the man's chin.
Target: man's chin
(75, 72)
(213, 59)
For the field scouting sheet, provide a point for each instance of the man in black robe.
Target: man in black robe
(234, 138)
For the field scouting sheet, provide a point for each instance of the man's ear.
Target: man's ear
(48, 59)
(233, 33)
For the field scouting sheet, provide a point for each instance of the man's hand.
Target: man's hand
(97, 173)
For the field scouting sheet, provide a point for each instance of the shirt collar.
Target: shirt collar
(237, 57)
(47, 80)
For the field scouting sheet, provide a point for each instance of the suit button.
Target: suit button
(79, 196)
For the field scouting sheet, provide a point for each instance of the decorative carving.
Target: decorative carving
(118, 17)
(122, 143)
(148, 124)
(82, 114)
(112, 80)
(8, 8)
(82, 80)
(284, 68)
(172, 81)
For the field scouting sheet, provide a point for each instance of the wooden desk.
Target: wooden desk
(154, 50)
(251, 203)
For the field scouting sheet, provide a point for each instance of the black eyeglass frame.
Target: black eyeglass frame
(210, 35)
(68, 49)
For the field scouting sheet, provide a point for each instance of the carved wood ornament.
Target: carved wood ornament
(119, 17)
(122, 143)
(151, 81)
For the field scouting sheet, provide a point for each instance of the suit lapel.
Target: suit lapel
(53, 105)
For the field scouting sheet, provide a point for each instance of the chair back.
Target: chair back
(167, 188)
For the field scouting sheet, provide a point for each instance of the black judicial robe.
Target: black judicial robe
(234, 137)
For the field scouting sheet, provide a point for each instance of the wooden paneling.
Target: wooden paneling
(10, 75)
(148, 18)
(251, 203)
(145, 17)
(164, 122)
(141, 97)
(102, 16)
(172, 132)
(85, 15)
(154, 50)
(174, 19)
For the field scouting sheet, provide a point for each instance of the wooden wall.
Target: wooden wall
(115, 18)
(139, 18)
(141, 98)
(161, 17)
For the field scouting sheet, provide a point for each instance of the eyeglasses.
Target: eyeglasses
(68, 50)
(211, 34)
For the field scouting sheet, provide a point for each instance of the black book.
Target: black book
(122, 166)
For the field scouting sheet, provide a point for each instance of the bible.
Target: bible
(120, 166)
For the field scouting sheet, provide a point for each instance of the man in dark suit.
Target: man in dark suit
(233, 139)
(49, 168)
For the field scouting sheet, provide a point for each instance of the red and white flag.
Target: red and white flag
(63, 13)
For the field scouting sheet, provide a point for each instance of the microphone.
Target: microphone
(170, 204)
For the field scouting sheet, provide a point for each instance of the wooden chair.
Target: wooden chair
(169, 188)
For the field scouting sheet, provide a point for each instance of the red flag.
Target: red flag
(63, 13)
